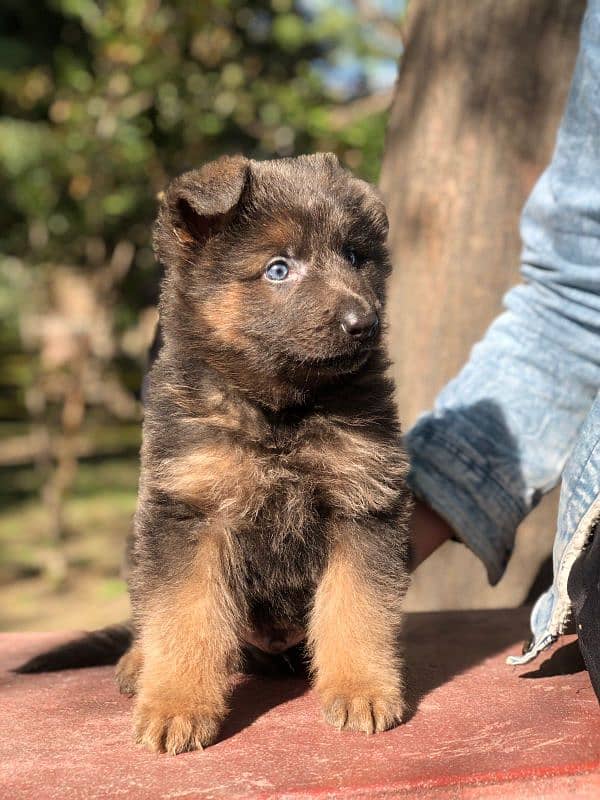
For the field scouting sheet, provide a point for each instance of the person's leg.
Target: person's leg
(584, 591)
(576, 587)
(581, 508)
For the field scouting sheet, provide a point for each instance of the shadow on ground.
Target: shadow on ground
(437, 647)
(440, 645)
(567, 660)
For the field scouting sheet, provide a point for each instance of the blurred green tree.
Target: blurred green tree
(100, 103)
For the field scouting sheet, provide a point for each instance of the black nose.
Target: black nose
(360, 325)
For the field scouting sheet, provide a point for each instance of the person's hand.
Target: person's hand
(428, 532)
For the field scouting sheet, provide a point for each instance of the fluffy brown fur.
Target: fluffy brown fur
(272, 501)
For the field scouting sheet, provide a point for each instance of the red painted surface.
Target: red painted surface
(478, 729)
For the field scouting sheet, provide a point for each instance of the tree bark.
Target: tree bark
(479, 97)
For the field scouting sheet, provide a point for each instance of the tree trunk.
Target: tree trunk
(477, 105)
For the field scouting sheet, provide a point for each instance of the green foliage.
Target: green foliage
(101, 103)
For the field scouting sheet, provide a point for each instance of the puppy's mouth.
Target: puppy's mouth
(339, 364)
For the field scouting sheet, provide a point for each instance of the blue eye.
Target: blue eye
(277, 270)
(352, 256)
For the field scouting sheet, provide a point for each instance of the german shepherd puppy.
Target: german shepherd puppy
(272, 501)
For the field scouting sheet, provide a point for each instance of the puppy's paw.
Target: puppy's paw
(128, 670)
(367, 711)
(178, 732)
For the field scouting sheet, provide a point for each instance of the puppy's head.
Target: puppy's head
(274, 269)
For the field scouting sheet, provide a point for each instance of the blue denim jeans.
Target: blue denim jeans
(525, 410)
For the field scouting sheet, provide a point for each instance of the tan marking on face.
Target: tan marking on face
(224, 313)
(281, 234)
(189, 640)
(353, 638)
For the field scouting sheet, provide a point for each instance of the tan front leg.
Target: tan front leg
(353, 637)
(190, 646)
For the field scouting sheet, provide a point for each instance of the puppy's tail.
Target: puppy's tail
(93, 649)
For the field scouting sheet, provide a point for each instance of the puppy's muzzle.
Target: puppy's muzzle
(360, 325)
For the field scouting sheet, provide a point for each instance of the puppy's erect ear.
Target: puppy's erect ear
(376, 206)
(372, 199)
(198, 204)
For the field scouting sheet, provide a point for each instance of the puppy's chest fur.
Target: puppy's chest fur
(273, 486)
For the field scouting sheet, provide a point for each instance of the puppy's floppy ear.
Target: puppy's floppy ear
(198, 204)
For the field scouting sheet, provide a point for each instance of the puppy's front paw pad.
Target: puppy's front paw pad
(362, 712)
(175, 733)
